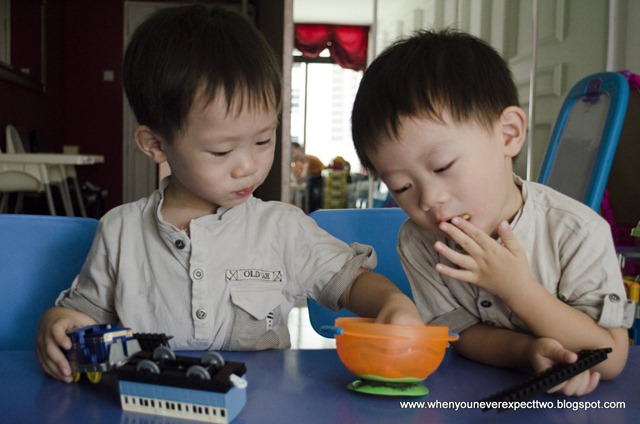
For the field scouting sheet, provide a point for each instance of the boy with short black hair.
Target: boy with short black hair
(527, 275)
(201, 259)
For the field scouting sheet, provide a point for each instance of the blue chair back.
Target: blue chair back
(584, 139)
(376, 227)
(39, 257)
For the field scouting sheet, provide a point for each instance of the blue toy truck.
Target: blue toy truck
(99, 348)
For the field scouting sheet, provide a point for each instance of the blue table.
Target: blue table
(309, 386)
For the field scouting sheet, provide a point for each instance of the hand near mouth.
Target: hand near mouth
(464, 216)
(499, 266)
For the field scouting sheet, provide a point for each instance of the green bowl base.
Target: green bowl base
(387, 388)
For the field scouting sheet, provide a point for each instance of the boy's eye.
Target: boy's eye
(402, 189)
(263, 143)
(220, 154)
(444, 168)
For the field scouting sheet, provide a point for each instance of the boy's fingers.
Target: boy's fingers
(557, 388)
(507, 237)
(581, 384)
(560, 354)
(460, 259)
(63, 341)
(53, 359)
(572, 386)
(593, 383)
(59, 333)
(568, 357)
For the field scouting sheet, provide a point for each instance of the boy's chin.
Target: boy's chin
(236, 201)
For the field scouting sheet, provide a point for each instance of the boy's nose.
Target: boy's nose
(431, 197)
(246, 165)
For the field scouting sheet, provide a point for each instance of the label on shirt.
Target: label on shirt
(253, 274)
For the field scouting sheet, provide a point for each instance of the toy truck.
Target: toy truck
(100, 348)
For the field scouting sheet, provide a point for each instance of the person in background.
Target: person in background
(303, 165)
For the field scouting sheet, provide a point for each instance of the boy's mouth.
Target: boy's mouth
(245, 192)
(464, 216)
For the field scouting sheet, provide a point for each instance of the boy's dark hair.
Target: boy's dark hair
(188, 53)
(425, 75)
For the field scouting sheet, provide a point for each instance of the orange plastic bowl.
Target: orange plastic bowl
(387, 352)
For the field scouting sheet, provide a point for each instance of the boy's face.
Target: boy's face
(220, 158)
(438, 170)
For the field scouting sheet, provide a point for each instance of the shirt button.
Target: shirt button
(489, 323)
(179, 244)
(486, 303)
(198, 274)
(614, 298)
(201, 313)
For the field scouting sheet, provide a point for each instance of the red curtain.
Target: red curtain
(347, 44)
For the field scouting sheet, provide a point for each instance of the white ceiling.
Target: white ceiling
(353, 12)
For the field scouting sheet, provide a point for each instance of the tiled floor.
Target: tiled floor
(303, 336)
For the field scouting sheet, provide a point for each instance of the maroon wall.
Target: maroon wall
(22, 106)
(93, 43)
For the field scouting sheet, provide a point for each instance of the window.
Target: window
(322, 98)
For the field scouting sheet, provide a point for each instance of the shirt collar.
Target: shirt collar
(525, 205)
(223, 212)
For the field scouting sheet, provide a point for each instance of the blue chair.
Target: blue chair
(584, 139)
(39, 257)
(376, 227)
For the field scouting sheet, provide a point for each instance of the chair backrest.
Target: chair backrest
(21, 176)
(15, 144)
(584, 139)
(39, 257)
(376, 227)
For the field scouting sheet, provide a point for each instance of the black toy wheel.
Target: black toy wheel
(213, 359)
(149, 366)
(162, 353)
(198, 371)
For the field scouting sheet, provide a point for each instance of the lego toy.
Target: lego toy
(99, 348)
(204, 389)
(547, 379)
(153, 380)
(102, 347)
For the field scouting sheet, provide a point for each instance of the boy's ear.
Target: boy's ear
(513, 126)
(150, 143)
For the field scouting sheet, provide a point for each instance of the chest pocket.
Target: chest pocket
(257, 322)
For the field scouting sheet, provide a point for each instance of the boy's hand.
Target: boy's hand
(502, 269)
(399, 310)
(373, 295)
(52, 337)
(548, 352)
